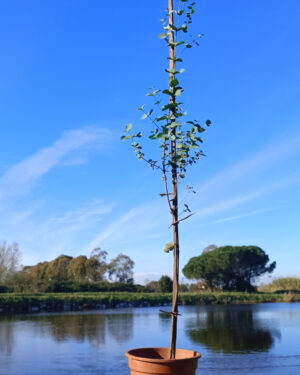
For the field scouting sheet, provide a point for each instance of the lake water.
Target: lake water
(233, 339)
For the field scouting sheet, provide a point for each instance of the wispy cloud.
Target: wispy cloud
(65, 233)
(70, 221)
(140, 229)
(138, 223)
(262, 160)
(227, 204)
(244, 215)
(148, 223)
(22, 176)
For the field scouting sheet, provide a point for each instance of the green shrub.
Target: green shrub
(282, 284)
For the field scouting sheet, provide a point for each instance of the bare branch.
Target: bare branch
(184, 218)
(152, 165)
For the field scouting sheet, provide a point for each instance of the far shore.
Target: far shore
(16, 303)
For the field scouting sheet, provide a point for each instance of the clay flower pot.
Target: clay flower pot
(155, 361)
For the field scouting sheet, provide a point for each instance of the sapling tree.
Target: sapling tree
(178, 138)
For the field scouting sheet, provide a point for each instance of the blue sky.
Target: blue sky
(71, 74)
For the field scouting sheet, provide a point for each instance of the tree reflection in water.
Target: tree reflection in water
(120, 326)
(81, 327)
(231, 330)
(164, 319)
(6, 336)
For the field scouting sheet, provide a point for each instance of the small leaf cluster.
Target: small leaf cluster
(169, 246)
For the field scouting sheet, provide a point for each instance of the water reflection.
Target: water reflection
(6, 336)
(164, 320)
(77, 327)
(93, 328)
(120, 326)
(231, 330)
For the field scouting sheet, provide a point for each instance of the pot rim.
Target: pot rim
(196, 355)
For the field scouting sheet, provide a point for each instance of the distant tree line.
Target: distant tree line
(228, 268)
(65, 273)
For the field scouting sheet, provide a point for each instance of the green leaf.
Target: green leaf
(153, 93)
(178, 92)
(124, 137)
(161, 118)
(173, 82)
(162, 36)
(128, 127)
(167, 92)
(141, 108)
(175, 59)
(181, 175)
(178, 43)
(174, 124)
(173, 71)
(169, 106)
(145, 115)
(184, 28)
(173, 27)
(207, 122)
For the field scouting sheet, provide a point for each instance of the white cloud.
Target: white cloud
(144, 227)
(66, 233)
(227, 204)
(262, 160)
(136, 225)
(244, 215)
(70, 221)
(141, 229)
(22, 176)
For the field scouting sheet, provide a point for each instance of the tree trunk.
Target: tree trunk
(174, 200)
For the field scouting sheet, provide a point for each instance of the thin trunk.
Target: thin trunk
(174, 200)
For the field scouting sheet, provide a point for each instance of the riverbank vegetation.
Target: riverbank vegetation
(44, 302)
(282, 284)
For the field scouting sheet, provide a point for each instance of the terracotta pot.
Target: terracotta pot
(155, 361)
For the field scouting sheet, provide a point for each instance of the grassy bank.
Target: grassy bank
(18, 302)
